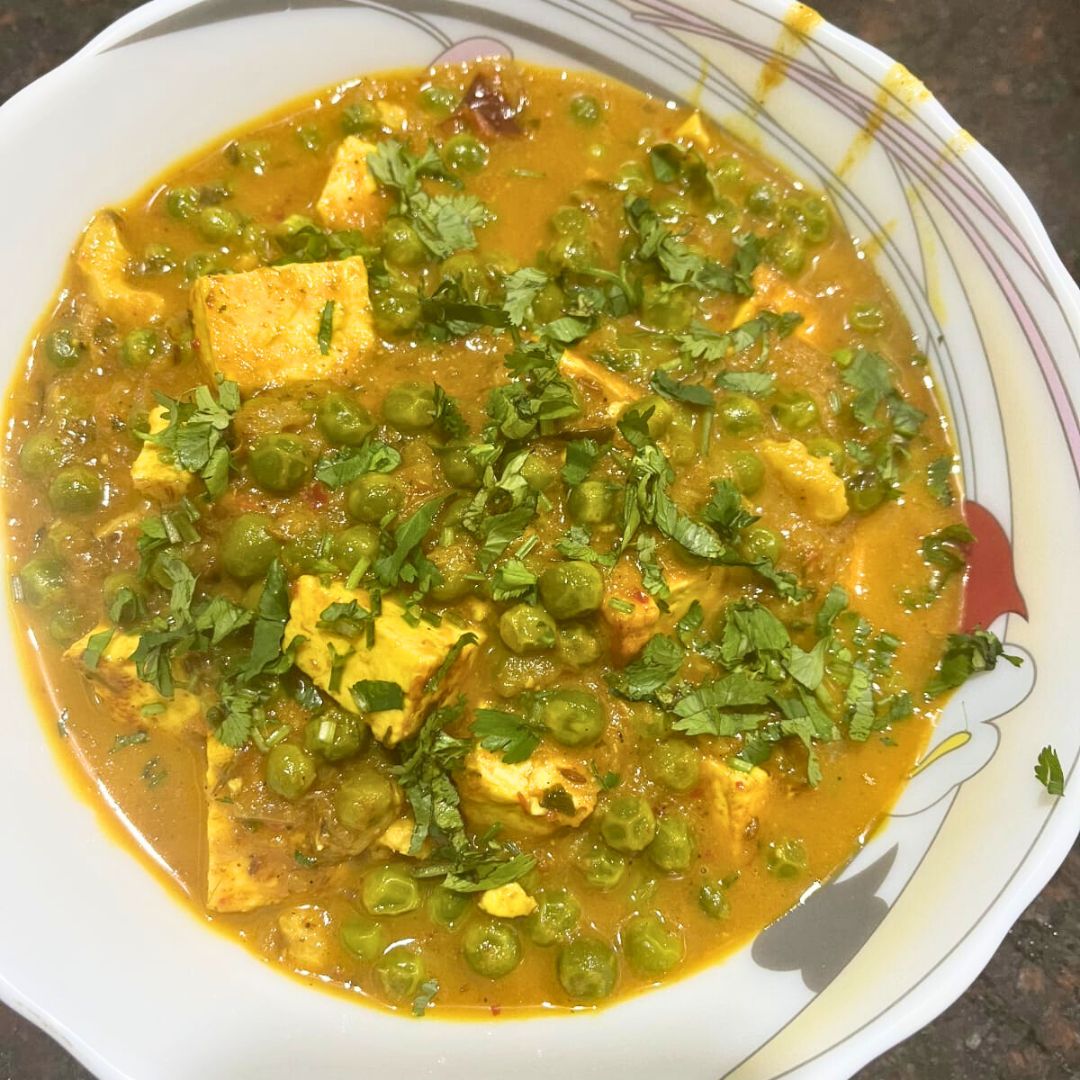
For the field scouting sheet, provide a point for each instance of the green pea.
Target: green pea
(666, 309)
(306, 553)
(570, 221)
(63, 349)
(759, 542)
(374, 497)
(786, 858)
(795, 411)
(713, 899)
(122, 597)
(675, 763)
(76, 489)
(786, 253)
(866, 318)
(465, 154)
(361, 118)
(630, 176)
(491, 949)
(538, 472)
(448, 909)
(66, 625)
(578, 646)
(410, 407)
(824, 447)
(816, 223)
(365, 799)
(43, 582)
(336, 735)
(140, 348)
(342, 420)
(41, 455)
(592, 502)
(248, 547)
(762, 200)
(400, 245)
(459, 468)
(556, 917)
(400, 972)
(601, 867)
(728, 170)
(572, 251)
(653, 945)
(68, 541)
(396, 310)
(363, 938)
(628, 824)
(440, 101)
(279, 463)
(588, 969)
(739, 414)
(352, 545)
(865, 491)
(456, 564)
(549, 303)
(571, 589)
(290, 771)
(572, 717)
(309, 137)
(251, 154)
(527, 628)
(218, 224)
(673, 848)
(659, 413)
(182, 203)
(649, 721)
(586, 109)
(390, 890)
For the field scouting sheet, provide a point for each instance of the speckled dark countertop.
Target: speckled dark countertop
(1009, 71)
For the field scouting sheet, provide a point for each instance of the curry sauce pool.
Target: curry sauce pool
(490, 532)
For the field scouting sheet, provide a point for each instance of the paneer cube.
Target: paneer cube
(548, 791)
(507, 902)
(249, 865)
(633, 618)
(151, 473)
(308, 938)
(773, 292)
(263, 327)
(736, 799)
(350, 193)
(607, 392)
(403, 654)
(810, 480)
(102, 259)
(692, 130)
(128, 699)
(398, 838)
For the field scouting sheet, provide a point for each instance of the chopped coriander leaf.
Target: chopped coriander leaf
(657, 664)
(326, 327)
(513, 580)
(701, 343)
(690, 393)
(516, 737)
(966, 655)
(341, 467)
(938, 477)
(95, 646)
(425, 997)
(122, 742)
(1048, 771)
(377, 695)
(154, 773)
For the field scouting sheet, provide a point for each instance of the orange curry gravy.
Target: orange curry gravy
(695, 479)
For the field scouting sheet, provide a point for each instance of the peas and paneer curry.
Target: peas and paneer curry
(490, 533)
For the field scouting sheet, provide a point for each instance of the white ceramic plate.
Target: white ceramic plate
(93, 948)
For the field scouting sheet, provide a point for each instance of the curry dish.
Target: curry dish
(491, 535)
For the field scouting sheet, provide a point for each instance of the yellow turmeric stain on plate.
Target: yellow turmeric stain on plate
(899, 94)
(946, 746)
(799, 23)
